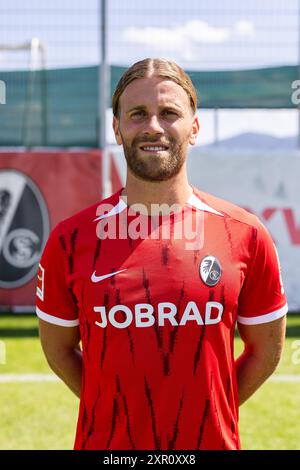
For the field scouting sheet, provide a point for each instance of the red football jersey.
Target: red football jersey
(157, 311)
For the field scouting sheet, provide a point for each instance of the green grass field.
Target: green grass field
(42, 415)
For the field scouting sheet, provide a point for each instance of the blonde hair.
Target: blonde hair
(157, 68)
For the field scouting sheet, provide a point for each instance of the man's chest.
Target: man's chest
(141, 281)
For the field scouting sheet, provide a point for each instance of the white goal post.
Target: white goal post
(36, 62)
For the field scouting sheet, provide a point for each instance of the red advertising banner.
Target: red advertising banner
(37, 190)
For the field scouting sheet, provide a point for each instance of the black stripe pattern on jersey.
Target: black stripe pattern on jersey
(130, 340)
(201, 339)
(174, 332)
(128, 422)
(166, 363)
(253, 242)
(97, 252)
(171, 443)
(62, 242)
(124, 399)
(199, 348)
(222, 297)
(116, 414)
(69, 253)
(216, 411)
(148, 297)
(228, 233)
(73, 238)
(90, 430)
(112, 279)
(104, 339)
(165, 255)
(85, 327)
(172, 337)
(157, 441)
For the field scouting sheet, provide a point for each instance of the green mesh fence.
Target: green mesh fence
(59, 108)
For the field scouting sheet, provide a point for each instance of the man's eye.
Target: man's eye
(169, 112)
(138, 114)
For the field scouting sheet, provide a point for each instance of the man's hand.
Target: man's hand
(263, 347)
(61, 347)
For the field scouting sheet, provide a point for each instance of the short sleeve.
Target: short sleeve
(54, 300)
(262, 298)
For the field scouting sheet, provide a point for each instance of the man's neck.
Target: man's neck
(174, 191)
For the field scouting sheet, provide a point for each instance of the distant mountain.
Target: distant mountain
(255, 141)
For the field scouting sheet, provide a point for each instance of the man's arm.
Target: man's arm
(61, 347)
(263, 347)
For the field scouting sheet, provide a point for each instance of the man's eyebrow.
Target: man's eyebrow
(140, 107)
(172, 105)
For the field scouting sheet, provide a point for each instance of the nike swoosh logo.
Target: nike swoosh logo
(95, 278)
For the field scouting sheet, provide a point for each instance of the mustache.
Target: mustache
(152, 140)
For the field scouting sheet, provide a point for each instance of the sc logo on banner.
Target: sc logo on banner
(24, 228)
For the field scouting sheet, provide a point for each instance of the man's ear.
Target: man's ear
(117, 130)
(194, 131)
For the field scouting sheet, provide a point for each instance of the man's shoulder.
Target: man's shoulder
(87, 215)
(228, 209)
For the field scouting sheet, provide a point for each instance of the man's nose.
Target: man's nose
(154, 125)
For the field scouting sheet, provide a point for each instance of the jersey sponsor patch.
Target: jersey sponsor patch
(210, 271)
(143, 315)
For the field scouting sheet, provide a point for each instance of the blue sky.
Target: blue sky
(199, 34)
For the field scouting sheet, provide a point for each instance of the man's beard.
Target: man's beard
(153, 167)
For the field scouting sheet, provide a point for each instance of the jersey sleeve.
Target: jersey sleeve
(262, 298)
(54, 300)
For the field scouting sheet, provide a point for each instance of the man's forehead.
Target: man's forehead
(142, 90)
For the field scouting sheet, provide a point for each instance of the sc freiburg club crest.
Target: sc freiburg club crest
(24, 228)
(210, 271)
